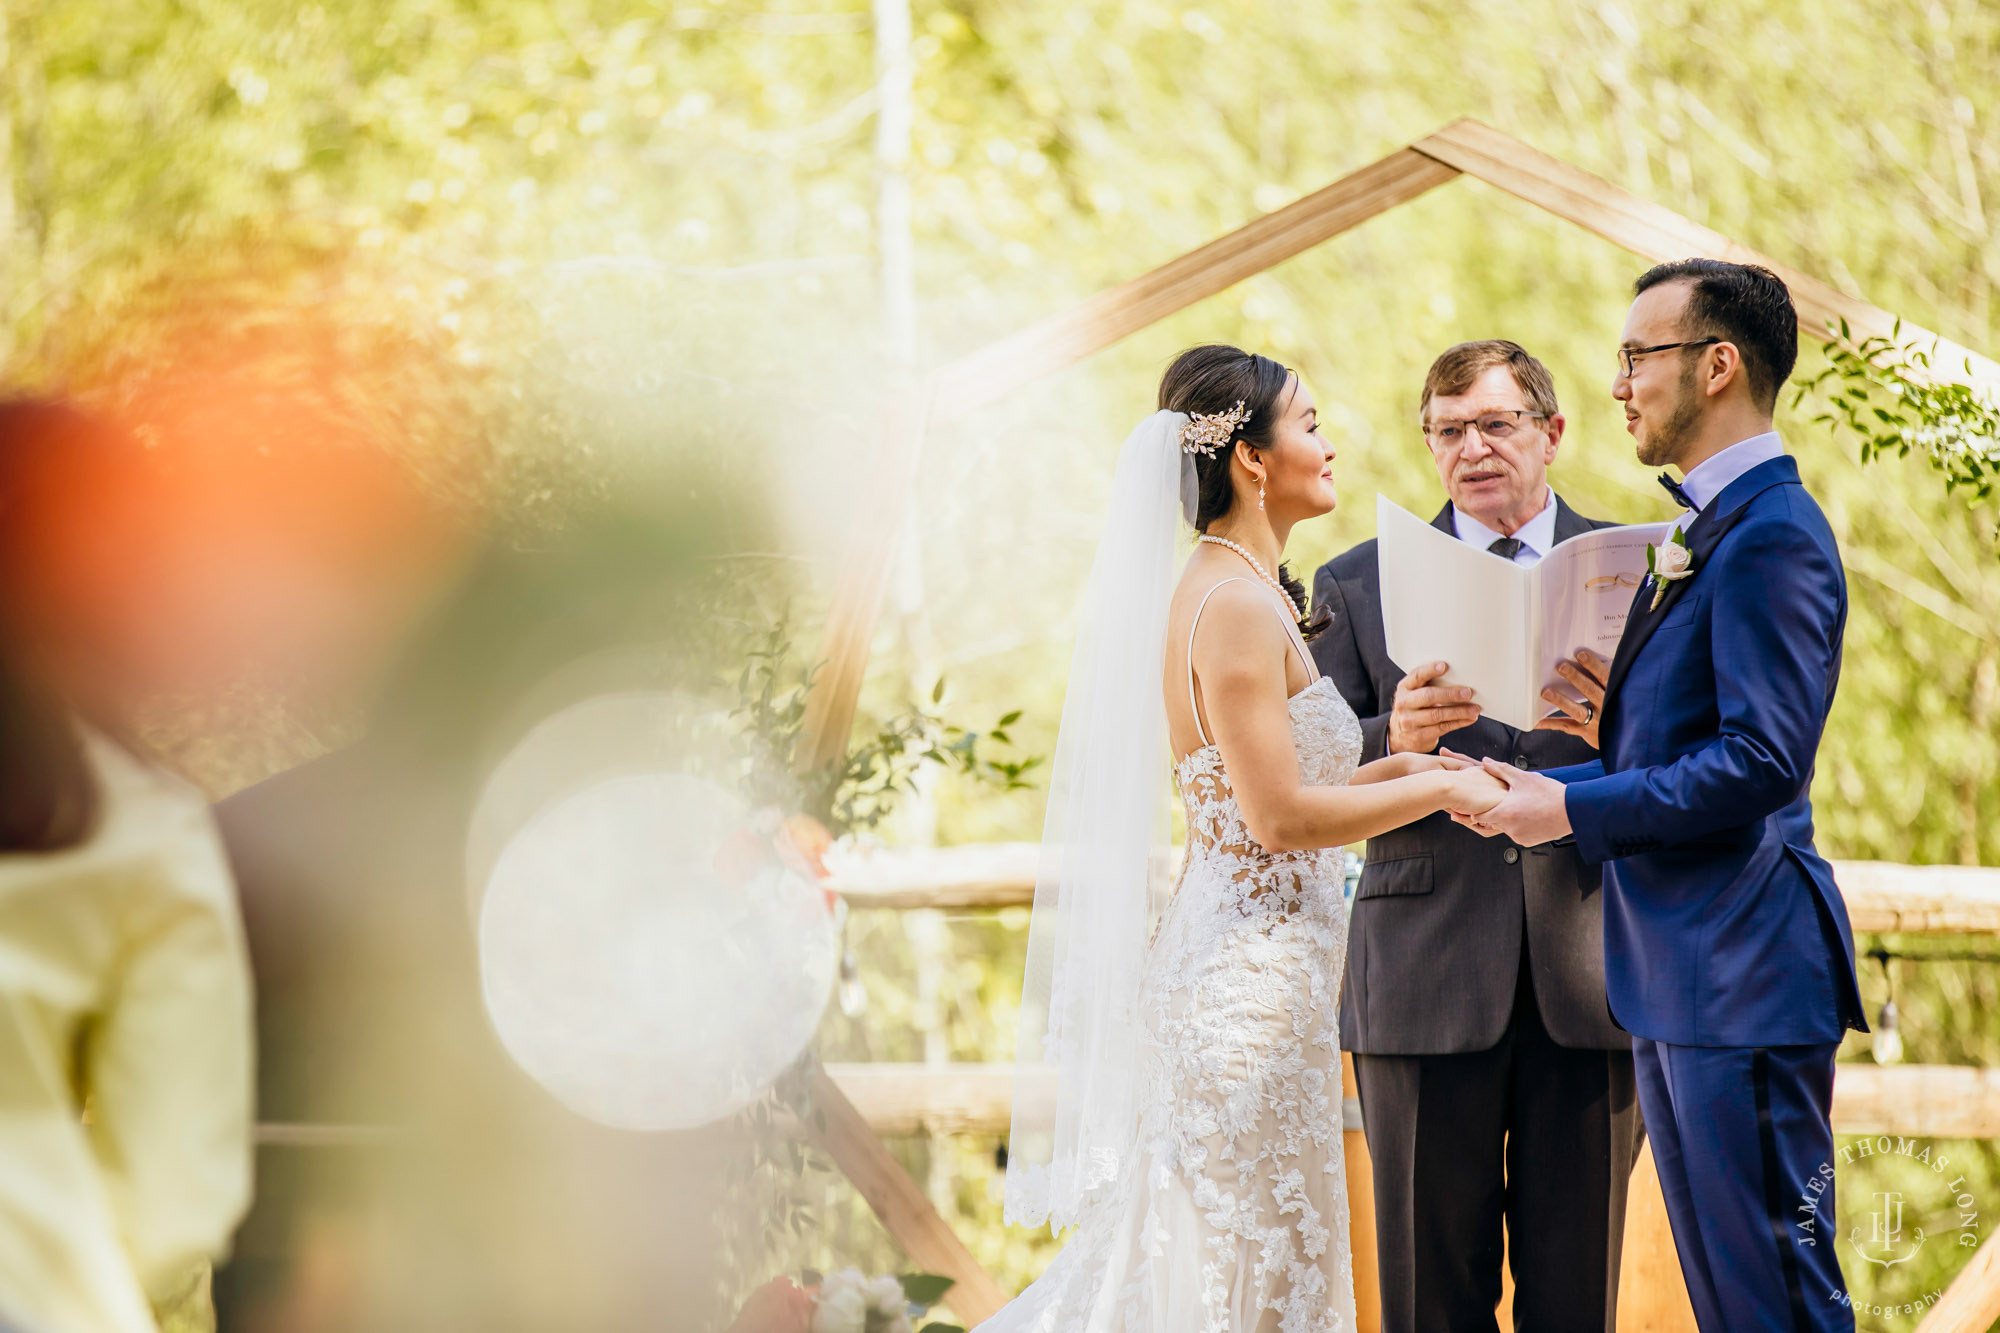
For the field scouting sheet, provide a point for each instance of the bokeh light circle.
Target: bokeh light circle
(605, 734)
(628, 976)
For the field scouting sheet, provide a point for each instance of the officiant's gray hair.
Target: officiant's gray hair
(1459, 367)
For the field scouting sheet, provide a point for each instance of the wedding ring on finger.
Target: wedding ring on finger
(1589, 712)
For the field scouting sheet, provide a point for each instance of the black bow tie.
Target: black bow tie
(1674, 489)
(1506, 547)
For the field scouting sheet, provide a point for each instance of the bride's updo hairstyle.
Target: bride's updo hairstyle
(1211, 379)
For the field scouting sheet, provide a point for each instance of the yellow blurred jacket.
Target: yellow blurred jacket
(124, 989)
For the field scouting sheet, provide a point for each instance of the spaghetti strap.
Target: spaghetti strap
(1291, 633)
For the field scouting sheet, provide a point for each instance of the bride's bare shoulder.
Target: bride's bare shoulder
(1236, 618)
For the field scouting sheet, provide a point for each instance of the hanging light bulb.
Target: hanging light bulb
(853, 995)
(1888, 1041)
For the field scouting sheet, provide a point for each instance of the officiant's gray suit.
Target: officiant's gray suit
(1474, 1005)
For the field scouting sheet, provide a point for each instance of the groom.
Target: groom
(1728, 954)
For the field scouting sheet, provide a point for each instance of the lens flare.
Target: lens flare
(635, 959)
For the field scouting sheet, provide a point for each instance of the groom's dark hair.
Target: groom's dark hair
(1742, 304)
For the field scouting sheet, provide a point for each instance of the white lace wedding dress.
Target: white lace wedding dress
(1232, 1215)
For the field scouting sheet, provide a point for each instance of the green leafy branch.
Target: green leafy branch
(770, 689)
(1888, 394)
(861, 789)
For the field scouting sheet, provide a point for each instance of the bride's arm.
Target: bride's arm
(1401, 765)
(1240, 656)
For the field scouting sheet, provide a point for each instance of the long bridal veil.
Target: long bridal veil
(1096, 885)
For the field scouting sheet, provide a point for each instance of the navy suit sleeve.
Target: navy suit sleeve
(1337, 650)
(1576, 772)
(1775, 628)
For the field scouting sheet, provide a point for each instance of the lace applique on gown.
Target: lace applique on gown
(1232, 1215)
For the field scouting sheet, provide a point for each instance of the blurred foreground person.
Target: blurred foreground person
(411, 1175)
(125, 1023)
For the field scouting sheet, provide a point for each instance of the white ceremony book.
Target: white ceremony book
(1502, 626)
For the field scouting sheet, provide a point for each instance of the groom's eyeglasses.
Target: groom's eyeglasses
(1492, 427)
(1626, 355)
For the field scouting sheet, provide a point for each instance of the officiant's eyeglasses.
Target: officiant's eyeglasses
(1626, 355)
(1606, 582)
(1490, 425)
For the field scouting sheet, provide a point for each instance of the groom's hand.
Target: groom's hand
(1531, 813)
(1425, 713)
(1587, 675)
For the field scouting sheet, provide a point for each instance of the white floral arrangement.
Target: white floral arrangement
(852, 1303)
(847, 1301)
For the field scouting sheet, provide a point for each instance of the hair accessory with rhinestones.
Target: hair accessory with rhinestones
(1208, 431)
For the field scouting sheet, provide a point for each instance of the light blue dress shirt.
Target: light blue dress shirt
(1537, 536)
(1707, 479)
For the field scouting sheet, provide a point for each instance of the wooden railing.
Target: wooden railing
(863, 1102)
(1906, 1100)
(1881, 897)
(1934, 1101)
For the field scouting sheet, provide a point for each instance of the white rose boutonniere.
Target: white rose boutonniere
(1670, 562)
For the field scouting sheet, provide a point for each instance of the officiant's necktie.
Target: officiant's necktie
(1506, 547)
(1674, 489)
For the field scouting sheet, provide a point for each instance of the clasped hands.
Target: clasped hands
(1526, 807)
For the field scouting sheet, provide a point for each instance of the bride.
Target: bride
(1194, 1140)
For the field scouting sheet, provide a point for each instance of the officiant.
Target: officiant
(1494, 1084)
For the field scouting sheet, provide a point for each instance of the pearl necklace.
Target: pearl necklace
(1262, 572)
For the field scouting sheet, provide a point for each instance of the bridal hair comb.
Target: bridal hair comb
(1208, 431)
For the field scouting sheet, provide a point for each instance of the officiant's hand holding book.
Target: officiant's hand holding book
(1424, 714)
(1505, 628)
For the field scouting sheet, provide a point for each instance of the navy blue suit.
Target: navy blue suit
(1728, 954)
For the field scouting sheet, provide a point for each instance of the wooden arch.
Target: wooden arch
(1464, 147)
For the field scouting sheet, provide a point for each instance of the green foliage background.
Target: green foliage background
(694, 186)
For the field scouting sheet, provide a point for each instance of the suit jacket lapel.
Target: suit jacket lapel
(1444, 523)
(1569, 523)
(1704, 534)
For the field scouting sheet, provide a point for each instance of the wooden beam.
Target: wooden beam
(1659, 234)
(982, 874)
(1041, 349)
(1881, 897)
(1971, 1304)
(965, 1098)
(1939, 1101)
(925, 1236)
(863, 581)
(1884, 897)
(941, 1099)
(1652, 1294)
(1097, 322)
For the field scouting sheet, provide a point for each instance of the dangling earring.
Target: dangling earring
(1260, 492)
